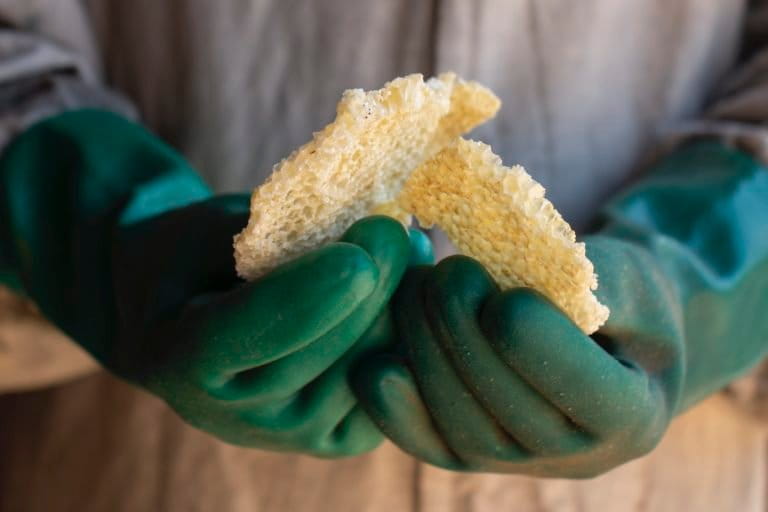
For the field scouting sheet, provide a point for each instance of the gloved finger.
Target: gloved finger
(329, 393)
(389, 246)
(385, 240)
(355, 434)
(386, 243)
(322, 419)
(350, 429)
(566, 366)
(456, 291)
(286, 377)
(421, 248)
(388, 393)
(461, 420)
(284, 311)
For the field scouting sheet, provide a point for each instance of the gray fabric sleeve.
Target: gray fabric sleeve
(39, 79)
(48, 63)
(738, 113)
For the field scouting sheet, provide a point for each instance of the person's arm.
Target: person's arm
(503, 381)
(124, 247)
(48, 64)
(738, 117)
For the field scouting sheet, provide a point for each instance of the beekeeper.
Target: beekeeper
(132, 132)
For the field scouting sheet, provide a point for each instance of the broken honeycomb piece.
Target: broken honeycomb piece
(499, 216)
(355, 163)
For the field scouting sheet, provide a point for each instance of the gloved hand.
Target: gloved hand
(263, 364)
(121, 244)
(505, 382)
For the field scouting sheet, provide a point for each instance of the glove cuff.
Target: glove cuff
(699, 220)
(65, 183)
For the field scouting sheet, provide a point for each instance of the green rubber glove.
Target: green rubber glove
(504, 382)
(121, 244)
